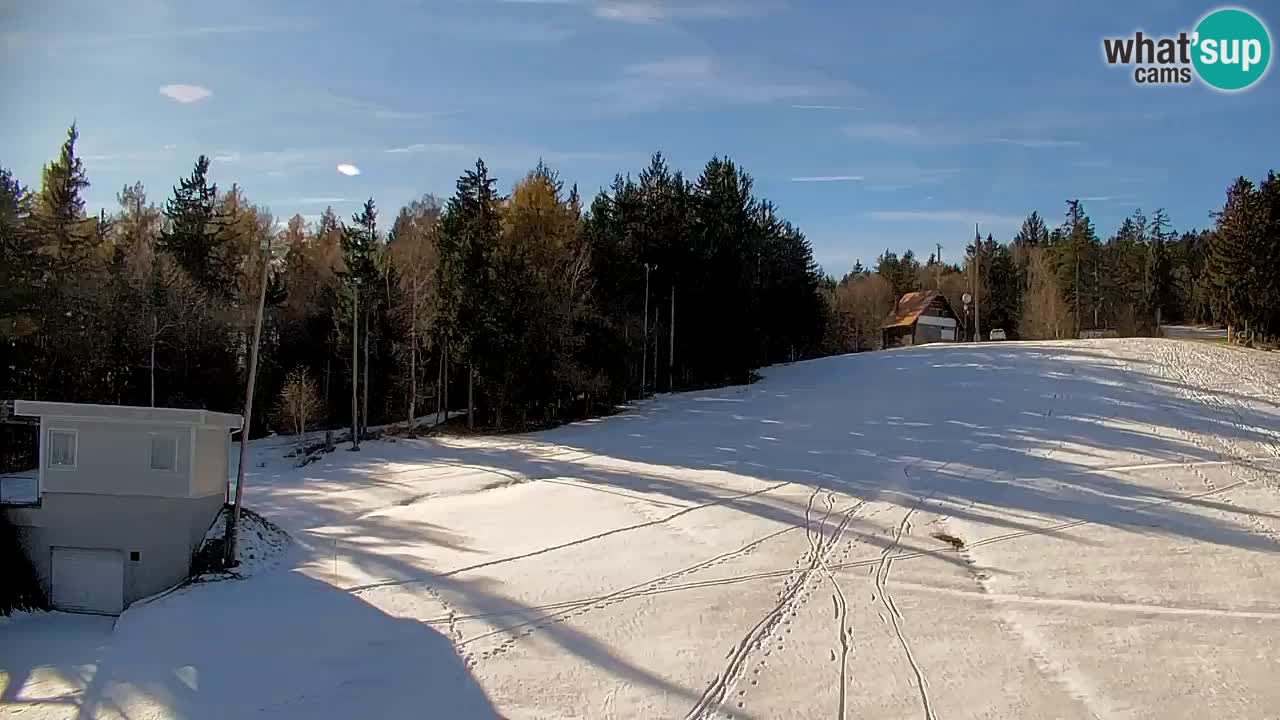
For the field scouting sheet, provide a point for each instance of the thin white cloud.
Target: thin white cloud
(822, 107)
(1097, 198)
(696, 68)
(1039, 143)
(982, 217)
(453, 148)
(169, 147)
(310, 201)
(827, 178)
(185, 94)
(348, 169)
(227, 156)
(699, 79)
(907, 177)
(896, 133)
(650, 12)
(21, 40)
(514, 154)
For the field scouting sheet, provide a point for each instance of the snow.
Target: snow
(260, 544)
(19, 488)
(1194, 332)
(1084, 529)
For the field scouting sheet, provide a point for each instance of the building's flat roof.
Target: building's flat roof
(126, 413)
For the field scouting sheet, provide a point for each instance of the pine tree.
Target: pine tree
(21, 264)
(469, 232)
(65, 236)
(194, 235)
(1158, 290)
(1033, 232)
(1232, 264)
(1076, 250)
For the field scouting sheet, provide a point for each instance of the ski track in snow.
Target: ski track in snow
(760, 635)
(841, 612)
(569, 610)
(572, 543)
(886, 598)
(1200, 428)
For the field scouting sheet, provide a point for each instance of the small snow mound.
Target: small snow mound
(260, 546)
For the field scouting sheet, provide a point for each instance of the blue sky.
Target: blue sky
(871, 125)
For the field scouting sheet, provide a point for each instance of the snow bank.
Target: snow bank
(260, 545)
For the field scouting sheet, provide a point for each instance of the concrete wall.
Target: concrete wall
(209, 477)
(114, 458)
(164, 531)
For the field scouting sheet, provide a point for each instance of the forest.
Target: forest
(1054, 283)
(534, 306)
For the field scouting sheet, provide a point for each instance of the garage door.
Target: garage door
(88, 580)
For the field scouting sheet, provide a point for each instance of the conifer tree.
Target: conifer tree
(194, 235)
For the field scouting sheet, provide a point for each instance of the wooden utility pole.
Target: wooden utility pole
(471, 398)
(233, 518)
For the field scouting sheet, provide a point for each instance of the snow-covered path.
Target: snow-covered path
(1016, 530)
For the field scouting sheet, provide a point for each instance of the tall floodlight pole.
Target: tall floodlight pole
(230, 558)
(355, 362)
(977, 284)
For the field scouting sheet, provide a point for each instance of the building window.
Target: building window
(62, 449)
(164, 452)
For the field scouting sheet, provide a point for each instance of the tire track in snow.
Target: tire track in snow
(886, 598)
(759, 634)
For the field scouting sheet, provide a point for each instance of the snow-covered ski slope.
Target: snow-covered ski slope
(1012, 530)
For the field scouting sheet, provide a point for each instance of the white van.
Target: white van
(998, 334)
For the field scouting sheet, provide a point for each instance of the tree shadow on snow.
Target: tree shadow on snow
(1025, 438)
(277, 645)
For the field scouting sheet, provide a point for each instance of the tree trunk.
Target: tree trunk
(154, 331)
(328, 361)
(413, 360)
(671, 344)
(439, 382)
(364, 404)
(471, 398)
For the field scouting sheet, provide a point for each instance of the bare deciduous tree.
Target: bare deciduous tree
(299, 402)
(1044, 312)
(414, 251)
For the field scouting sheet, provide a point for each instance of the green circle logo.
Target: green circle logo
(1232, 49)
